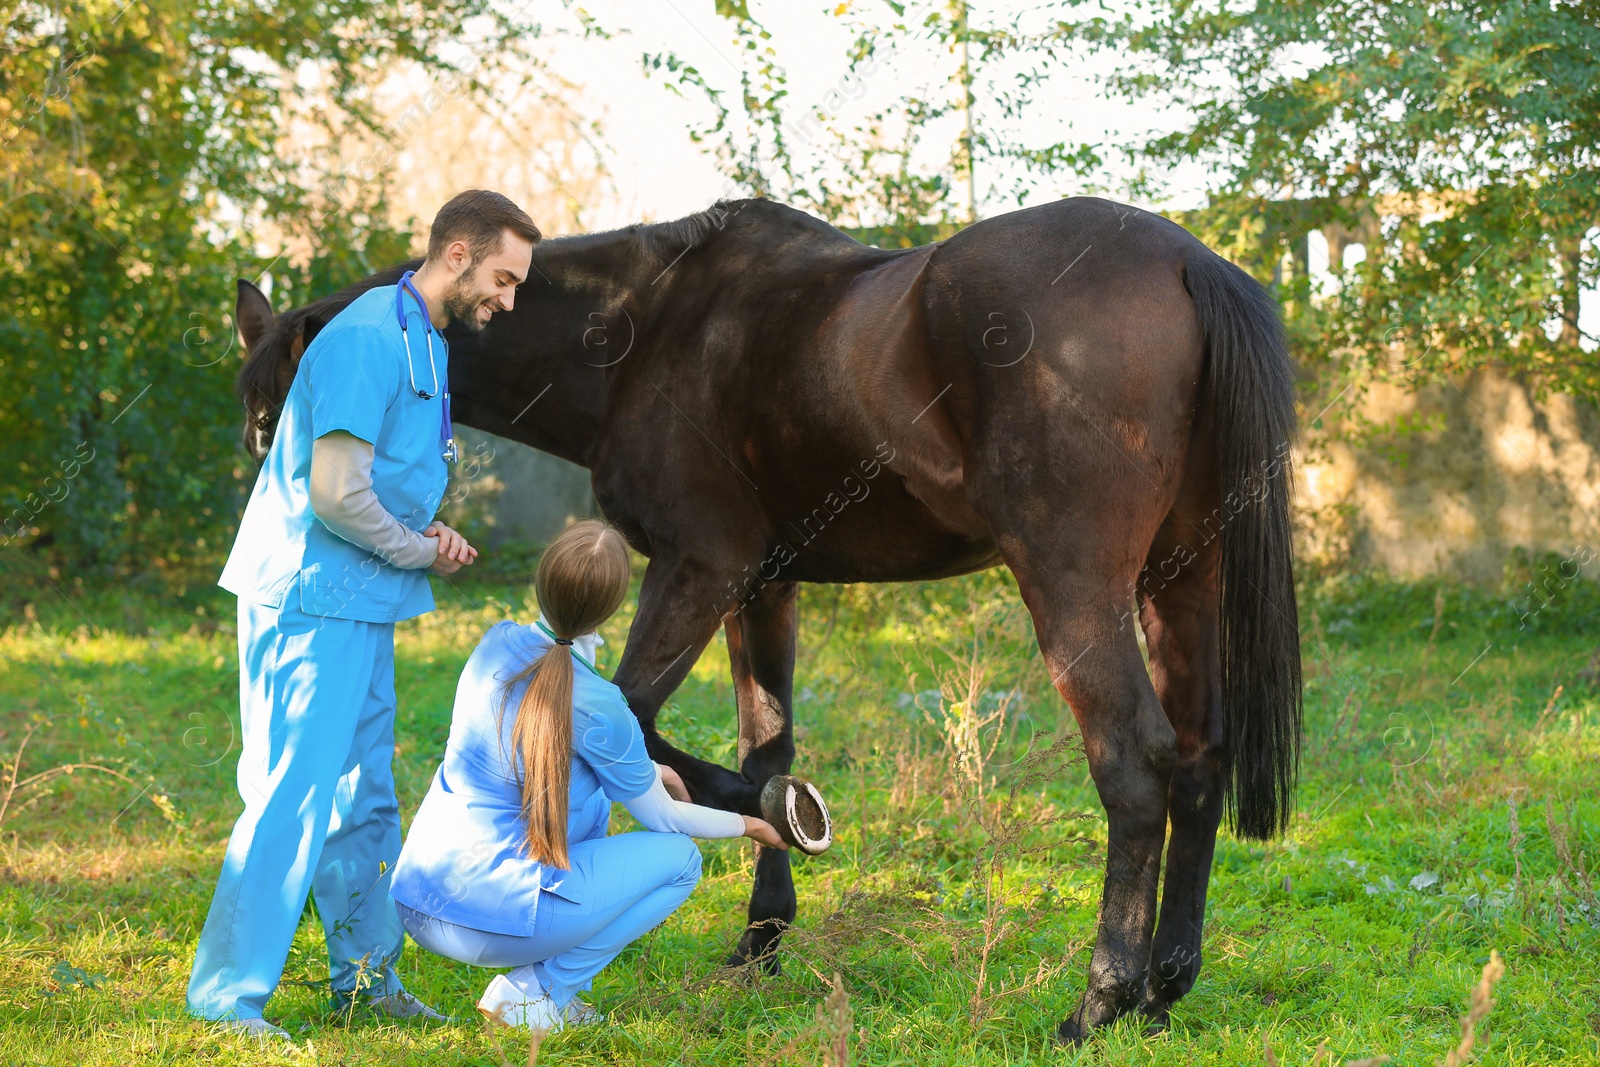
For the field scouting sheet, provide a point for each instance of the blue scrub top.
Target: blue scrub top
(353, 377)
(463, 860)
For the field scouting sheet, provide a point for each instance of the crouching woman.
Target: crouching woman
(508, 863)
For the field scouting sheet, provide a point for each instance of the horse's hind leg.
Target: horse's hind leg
(761, 648)
(1093, 657)
(1081, 599)
(1178, 607)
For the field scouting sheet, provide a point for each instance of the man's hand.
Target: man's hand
(454, 552)
(673, 783)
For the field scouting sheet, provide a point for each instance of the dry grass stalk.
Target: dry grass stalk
(1549, 710)
(1514, 845)
(1482, 1001)
(1579, 879)
(1006, 840)
(837, 1021)
(37, 781)
(365, 976)
(971, 737)
(1433, 637)
(1340, 726)
(492, 1029)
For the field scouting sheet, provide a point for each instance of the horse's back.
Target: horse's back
(1085, 279)
(1066, 321)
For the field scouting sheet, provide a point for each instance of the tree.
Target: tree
(903, 173)
(1456, 141)
(153, 154)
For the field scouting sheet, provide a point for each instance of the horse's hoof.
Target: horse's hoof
(794, 806)
(1071, 1033)
(749, 969)
(1156, 1017)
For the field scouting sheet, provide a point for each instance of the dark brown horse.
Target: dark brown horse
(1080, 390)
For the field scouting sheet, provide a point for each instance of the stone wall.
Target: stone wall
(1487, 468)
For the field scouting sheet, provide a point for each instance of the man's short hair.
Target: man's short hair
(478, 217)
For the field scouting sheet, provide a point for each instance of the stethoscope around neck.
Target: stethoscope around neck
(447, 439)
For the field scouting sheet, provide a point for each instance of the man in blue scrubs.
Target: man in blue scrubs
(329, 556)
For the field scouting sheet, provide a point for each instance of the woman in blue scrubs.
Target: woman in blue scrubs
(508, 863)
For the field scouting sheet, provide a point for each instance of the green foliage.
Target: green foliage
(993, 73)
(1455, 140)
(149, 162)
(747, 139)
(1544, 593)
(1537, 595)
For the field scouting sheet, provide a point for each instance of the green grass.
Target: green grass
(1429, 715)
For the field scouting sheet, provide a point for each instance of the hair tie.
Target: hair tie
(563, 640)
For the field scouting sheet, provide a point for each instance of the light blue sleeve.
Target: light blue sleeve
(352, 379)
(607, 737)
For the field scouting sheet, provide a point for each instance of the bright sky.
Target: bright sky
(660, 173)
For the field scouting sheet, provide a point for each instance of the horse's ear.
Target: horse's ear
(252, 314)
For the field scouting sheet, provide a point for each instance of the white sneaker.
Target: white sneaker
(504, 1003)
(257, 1028)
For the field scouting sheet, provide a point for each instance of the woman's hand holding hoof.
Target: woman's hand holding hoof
(763, 832)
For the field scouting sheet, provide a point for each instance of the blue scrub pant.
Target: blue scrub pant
(317, 703)
(632, 882)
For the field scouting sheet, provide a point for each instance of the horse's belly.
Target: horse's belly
(963, 558)
(874, 533)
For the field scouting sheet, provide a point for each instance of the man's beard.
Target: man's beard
(462, 300)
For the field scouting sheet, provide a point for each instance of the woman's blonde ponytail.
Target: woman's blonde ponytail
(582, 579)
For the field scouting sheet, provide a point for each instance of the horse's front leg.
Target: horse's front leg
(681, 604)
(761, 647)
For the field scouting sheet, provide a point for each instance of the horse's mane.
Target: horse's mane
(665, 241)
(318, 313)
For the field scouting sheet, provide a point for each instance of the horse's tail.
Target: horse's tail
(1250, 389)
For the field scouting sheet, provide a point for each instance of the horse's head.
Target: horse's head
(274, 344)
(273, 350)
